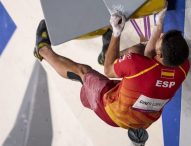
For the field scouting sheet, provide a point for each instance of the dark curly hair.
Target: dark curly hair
(174, 48)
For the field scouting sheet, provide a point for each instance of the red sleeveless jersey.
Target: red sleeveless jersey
(146, 86)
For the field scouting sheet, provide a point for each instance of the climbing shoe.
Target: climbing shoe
(42, 39)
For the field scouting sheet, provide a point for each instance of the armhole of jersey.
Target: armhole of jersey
(115, 70)
(115, 61)
(182, 69)
(142, 72)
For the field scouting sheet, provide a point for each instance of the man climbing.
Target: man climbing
(150, 75)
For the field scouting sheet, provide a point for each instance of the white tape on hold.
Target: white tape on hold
(126, 7)
(150, 104)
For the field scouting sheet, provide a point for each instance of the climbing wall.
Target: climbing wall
(38, 107)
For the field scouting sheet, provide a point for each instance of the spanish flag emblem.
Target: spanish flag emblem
(167, 73)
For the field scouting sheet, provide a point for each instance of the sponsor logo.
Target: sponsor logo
(149, 104)
(124, 57)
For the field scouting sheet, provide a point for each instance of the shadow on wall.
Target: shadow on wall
(33, 126)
